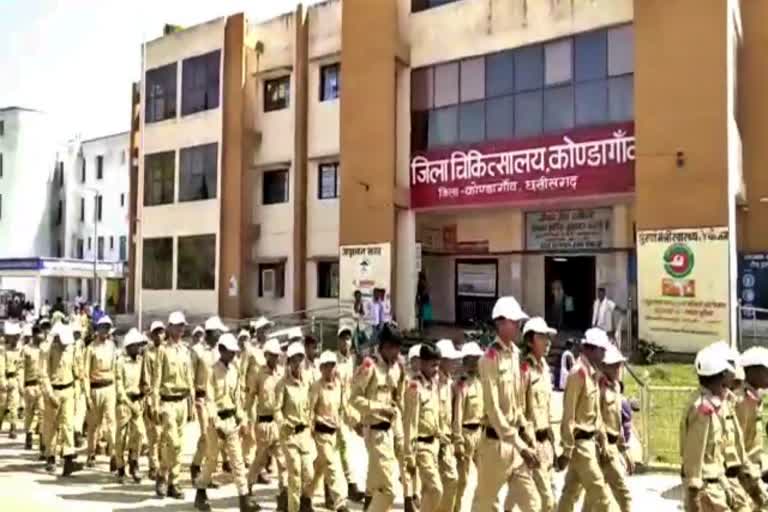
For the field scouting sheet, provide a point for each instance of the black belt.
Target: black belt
(612, 439)
(172, 398)
(200, 393)
(383, 426)
(266, 418)
(711, 480)
(226, 414)
(491, 433)
(322, 428)
(33, 382)
(61, 387)
(733, 471)
(582, 434)
(471, 426)
(135, 397)
(426, 439)
(298, 429)
(542, 435)
(10, 375)
(101, 384)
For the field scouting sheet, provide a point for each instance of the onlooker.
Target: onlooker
(45, 310)
(59, 306)
(567, 360)
(602, 312)
(423, 302)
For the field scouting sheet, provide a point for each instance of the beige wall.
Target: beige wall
(192, 302)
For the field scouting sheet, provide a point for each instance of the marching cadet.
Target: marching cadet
(468, 413)
(248, 356)
(225, 427)
(58, 371)
(262, 404)
(749, 412)
(46, 339)
(345, 369)
(80, 401)
(198, 336)
(326, 405)
(581, 427)
(410, 480)
(171, 386)
(502, 455)
(259, 328)
(377, 392)
(449, 357)
(10, 380)
(130, 411)
(311, 366)
(30, 357)
(294, 418)
(423, 427)
(152, 427)
(99, 386)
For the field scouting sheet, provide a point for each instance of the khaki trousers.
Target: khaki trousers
(267, 445)
(9, 403)
(470, 440)
(428, 469)
(542, 477)
(380, 483)
(203, 420)
(130, 432)
(60, 420)
(327, 467)
(297, 452)
(584, 471)
(173, 417)
(230, 444)
(615, 476)
(449, 476)
(81, 408)
(102, 414)
(33, 404)
(153, 431)
(713, 498)
(499, 462)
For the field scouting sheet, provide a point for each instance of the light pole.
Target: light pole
(96, 196)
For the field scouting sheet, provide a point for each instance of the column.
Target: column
(406, 277)
(102, 287)
(38, 294)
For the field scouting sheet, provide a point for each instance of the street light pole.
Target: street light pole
(96, 196)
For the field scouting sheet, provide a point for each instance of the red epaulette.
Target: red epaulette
(752, 396)
(366, 365)
(706, 409)
(583, 373)
(525, 367)
(414, 384)
(491, 353)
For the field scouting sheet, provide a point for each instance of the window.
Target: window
(446, 84)
(328, 181)
(558, 109)
(472, 122)
(90, 245)
(500, 118)
(82, 171)
(277, 93)
(111, 243)
(2, 128)
(422, 88)
(557, 60)
(100, 167)
(200, 83)
(123, 248)
(500, 74)
(591, 102)
(1, 165)
(621, 50)
(472, 82)
(528, 114)
(99, 203)
(59, 212)
(161, 93)
(621, 106)
(197, 172)
(275, 187)
(197, 263)
(328, 279)
(271, 280)
(61, 174)
(529, 68)
(443, 126)
(122, 157)
(329, 82)
(158, 178)
(82, 209)
(122, 199)
(591, 59)
(100, 248)
(157, 264)
(80, 251)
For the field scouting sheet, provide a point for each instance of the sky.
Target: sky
(76, 59)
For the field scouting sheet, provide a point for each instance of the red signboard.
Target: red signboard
(580, 163)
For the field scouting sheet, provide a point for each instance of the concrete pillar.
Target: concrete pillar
(406, 277)
(102, 287)
(38, 294)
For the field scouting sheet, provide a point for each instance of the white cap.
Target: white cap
(710, 361)
(229, 342)
(261, 322)
(105, 320)
(26, 330)
(343, 328)
(327, 357)
(133, 337)
(243, 333)
(198, 330)
(596, 337)
(177, 318)
(539, 326)
(613, 355)
(214, 323)
(64, 332)
(471, 349)
(294, 349)
(726, 351)
(295, 333)
(755, 356)
(414, 351)
(12, 329)
(272, 346)
(739, 373)
(448, 350)
(509, 308)
(157, 324)
(44, 320)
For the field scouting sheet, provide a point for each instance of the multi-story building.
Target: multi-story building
(537, 148)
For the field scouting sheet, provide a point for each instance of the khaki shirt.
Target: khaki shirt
(702, 440)
(30, 356)
(312, 370)
(445, 387)
(749, 411)
(326, 402)
(203, 359)
(150, 364)
(468, 408)
(537, 388)
(422, 414)
(610, 410)
(734, 439)
(225, 394)
(345, 370)
(2, 364)
(581, 404)
(262, 392)
(129, 378)
(377, 391)
(173, 373)
(293, 401)
(59, 367)
(100, 362)
(13, 365)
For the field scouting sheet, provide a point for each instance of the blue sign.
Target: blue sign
(21, 264)
(753, 284)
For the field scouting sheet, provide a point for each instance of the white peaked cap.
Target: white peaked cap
(294, 349)
(243, 333)
(177, 318)
(214, 323)
(327, 357)
(198, 329)
(710, 361)
(64, 332)
(726, 351)
(509, 308)
(133, 337)
(344, 328)
(260, 322)
(104, 320)
(596, 337)
(295, 333)
(229, 342)
(414, 351)
(755, 356)
(471, 349)
(272, 346)
(447, 349)
(157, 324)
(12, 329)
(538, 325)
(613, 355)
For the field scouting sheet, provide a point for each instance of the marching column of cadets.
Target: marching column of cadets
(429, 417)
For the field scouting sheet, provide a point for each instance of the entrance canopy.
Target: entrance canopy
(61, 267)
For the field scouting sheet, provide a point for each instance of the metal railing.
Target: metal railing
(752, 326)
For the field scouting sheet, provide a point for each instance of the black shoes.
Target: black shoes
(28, 441)
(112, 464)
(50, 464)
(194, 472)
(121, 475)
(246, 504)
(134, 470)
(328, 503)
(160, 488)
(354, 494)
(305, 505)
(201, 500)
(174, 492)
(70, 466)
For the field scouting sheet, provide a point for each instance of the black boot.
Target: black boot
(50, 464)
(12, 433)
(121, 475)
(134, 469)
(246, 504)
(28, 441)
(90, 462)
(160, 488)
(42, 451)
(328, 503)
(112, 464)
(408, 505)
(354, 494)
(70, 466)
(152, 474)
(367, 502)
(174, 492)
(226, 467)
(79, 440)
(201, 500)
(282, 501)
(305, 505)
(194, 472)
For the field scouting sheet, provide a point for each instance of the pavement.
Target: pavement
(26, 487)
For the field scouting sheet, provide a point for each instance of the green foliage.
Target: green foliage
(648, 351)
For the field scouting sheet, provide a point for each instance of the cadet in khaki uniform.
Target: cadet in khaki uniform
(749, 413)
(226, 425)
(59, 370)
(449, 359)
(311, 361)
(410, 481)
(152, 427)
(581, 430)
(171, 387)
(377, 392)
(261, 405)
(99, 386)
(467, 415)
(423, 427)
(130, 410)
(46, 429)
(80, 400)
(294, 417)
(502, 455)
(326, 402)
(30, 357)
(11, 378)
(345, 369)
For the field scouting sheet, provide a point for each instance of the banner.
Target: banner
(683, 287)
(363, 268)
(753, 285)
(583, 162)
(588, 228)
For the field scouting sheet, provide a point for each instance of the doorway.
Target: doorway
(477, 285)
(570, 291)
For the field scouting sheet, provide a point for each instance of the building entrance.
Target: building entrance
(570, 291)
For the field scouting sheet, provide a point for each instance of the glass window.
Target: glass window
(328, 279)
(275, 187)
(558, 109)
(499, 73)
(528, 114)
(621, 98)
(472, 122)
(419, 130)
(200, 83)
(529, 68)
(157, 264)
(277, 93)
(80, 248)
(621, 50)
(271, 280)
(557, 60)
(161, 93)
(591, 103)
(159, 178)
(422, 84)
(473, 79)
(443, 127)
(329, 82)
(500, 118)
(100, 167)
(196, 263)
(99, 203)
(197, 172)
(591, 56)
(100, 248)
(328, 181)
(446, 84)
(123, 248)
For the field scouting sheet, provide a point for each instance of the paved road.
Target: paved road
(25, 486)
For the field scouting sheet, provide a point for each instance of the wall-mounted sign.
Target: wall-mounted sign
(584, 162)
(363, 268)
(753, 285)
(560, 230)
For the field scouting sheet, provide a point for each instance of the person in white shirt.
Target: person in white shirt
(45, 310)
(602, 312)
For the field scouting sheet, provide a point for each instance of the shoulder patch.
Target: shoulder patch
(492, 353)
(752, 395)
(525, 367)
(414, 385)
(705, 409)
(583, 372)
